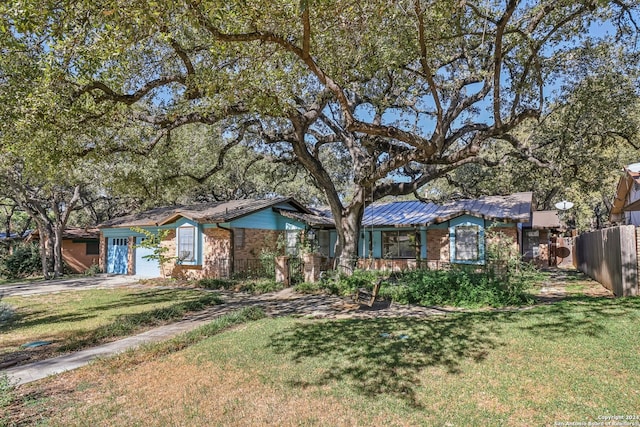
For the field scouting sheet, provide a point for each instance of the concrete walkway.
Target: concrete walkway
(282, 303)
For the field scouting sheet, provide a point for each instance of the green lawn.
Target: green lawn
(73, 320)
(573, 361)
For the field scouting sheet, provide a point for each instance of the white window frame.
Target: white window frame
(179, 244)
(467, 251)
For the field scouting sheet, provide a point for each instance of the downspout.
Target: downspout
(231, 248)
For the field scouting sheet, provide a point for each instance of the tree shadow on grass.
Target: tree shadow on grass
(579, 316)
(386, 356)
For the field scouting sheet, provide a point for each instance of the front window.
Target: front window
(186, 243)
(324, 242)
(399, 244)
(467, 238)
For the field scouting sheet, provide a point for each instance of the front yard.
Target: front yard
(571, 361)
(74, 320)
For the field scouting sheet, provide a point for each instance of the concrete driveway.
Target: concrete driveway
(62, 285)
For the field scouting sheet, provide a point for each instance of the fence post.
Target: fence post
(282, 270)
(312, 264)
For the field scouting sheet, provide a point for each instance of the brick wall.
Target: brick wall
(216, 251)
(75, 255)
(438, 244)
(255, 240)
(131, 259)
(510, 235)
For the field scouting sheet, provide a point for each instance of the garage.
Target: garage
(145, 267)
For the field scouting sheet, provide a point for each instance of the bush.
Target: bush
(308, 288)
(93, 270)
(23, 262)
(459, 287)
(7, 392)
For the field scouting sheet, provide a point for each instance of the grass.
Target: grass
(74, 320)
(572, 361)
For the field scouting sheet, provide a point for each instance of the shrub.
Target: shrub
(7, 392)
(460, 287)
(93, 270)
(23, 262)
(260, 286)
(309, 288)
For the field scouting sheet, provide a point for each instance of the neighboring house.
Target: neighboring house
(626, 203)
(207, 240)
(80, 247)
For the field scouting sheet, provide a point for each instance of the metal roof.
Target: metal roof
(403, 213)
(513, 208)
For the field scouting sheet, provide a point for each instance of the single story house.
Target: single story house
(207, 240)
(625, 209)
(80, 247)
(214, 240)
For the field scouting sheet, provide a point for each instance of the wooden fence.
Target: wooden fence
(610, 256)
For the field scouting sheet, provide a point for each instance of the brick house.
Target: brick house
(216, 240)
(207, 240)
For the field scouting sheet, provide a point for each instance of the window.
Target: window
(399, 244)
(324, 242)
(93, 248)
(467, 238)
(186, 243)
(291, 238)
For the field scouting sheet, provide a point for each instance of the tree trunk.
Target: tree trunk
(58, 265)
(44, 253)
(348, 233)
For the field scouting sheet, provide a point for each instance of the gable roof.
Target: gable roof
(201, 213)
(625, 184)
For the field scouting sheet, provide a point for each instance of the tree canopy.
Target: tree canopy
(377, 97)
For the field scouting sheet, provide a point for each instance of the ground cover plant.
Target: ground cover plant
(74, 320)
(573, 361)
(253, 286)
(464, 286)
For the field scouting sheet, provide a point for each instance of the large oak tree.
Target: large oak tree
(402, 92)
